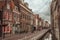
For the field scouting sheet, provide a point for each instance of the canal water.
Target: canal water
(49, 37)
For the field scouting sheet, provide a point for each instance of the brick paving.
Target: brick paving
(17, 36)
(35, 36)
(24, 36)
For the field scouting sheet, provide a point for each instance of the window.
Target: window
(16, 8)
(10, 16)
(5, 15)
(20, 24)
(20, 16)
(8, 6)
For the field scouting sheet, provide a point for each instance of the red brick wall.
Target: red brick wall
(5, 15)
(2, 4)
(8, 18)
(7, 29)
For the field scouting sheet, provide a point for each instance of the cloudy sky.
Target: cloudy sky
(41, 7)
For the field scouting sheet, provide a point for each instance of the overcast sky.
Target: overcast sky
(41, 7)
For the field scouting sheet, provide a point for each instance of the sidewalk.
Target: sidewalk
(24, 36)
(34, 36)
(18, 36)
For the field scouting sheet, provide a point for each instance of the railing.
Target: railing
(38, 36)
(42, 36)
(46, 34)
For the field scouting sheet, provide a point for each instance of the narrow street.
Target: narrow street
(28, 36)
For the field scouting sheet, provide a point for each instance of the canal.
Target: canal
(47, 37)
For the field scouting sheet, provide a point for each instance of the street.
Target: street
(27, 36)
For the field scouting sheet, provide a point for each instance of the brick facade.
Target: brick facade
(18, 18)
(55, 18)
(25, 18)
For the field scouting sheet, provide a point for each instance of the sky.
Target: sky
(41, 7)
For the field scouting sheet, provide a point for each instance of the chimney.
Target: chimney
(26, 4)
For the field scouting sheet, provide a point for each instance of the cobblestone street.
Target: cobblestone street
(35, 36)
(28, 36)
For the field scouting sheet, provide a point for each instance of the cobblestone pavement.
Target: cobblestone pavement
(25, 36)
(34, 36)
(17, 36)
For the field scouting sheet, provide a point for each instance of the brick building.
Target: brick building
(16, 17)
(25, 17)
(40, 23)
(10, 16)
(37, 22)
(1, 15)
(7, 18)
(55, 17)
(33, 22)
(46, 24)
